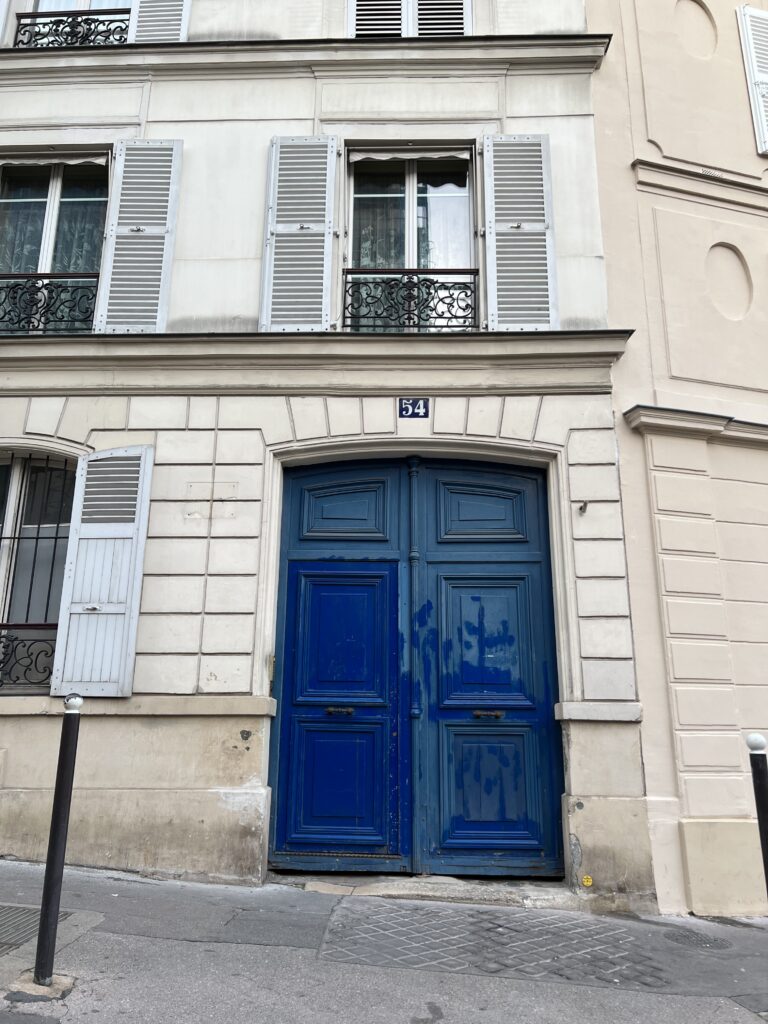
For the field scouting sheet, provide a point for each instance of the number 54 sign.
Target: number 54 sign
(413, 408)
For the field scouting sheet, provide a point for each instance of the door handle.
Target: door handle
(488, 714)
(339, 711)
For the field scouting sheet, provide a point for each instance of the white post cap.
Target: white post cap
(72, 704)
(757, 743)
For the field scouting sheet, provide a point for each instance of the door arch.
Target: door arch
(415, 671)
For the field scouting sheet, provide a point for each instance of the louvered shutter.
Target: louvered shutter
(442, 17)
(298, 234)
(96, 640)
(138, 247)
(518, 232)
(159, 21)
(377, 17)
(754, 42)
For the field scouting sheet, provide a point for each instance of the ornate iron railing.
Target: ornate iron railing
(26, 656)
(47, 303)
(410, 300)
(45, 29)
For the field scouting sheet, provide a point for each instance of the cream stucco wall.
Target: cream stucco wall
(684, 201)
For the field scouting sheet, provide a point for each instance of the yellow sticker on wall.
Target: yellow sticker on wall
(587, 881)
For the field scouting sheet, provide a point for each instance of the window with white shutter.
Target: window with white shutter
(159, 21)
(96, 641)
(295, 291)
(753, 25)
(518, 232)
(409, 18)
(138, 249)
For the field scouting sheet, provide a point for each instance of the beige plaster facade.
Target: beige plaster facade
(658, 531)
(684, 202)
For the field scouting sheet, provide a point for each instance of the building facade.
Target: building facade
(380, 438)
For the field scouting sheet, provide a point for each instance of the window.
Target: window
(753, 25)
(55, 23)
(51, 233)
(71, 555)
(412, 224)
(409, 254)
(36, 507)
(71, 260)
(409, 18)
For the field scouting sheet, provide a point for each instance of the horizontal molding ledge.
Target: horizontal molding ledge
(649, 419)
(558, 361)
(578, 53)
(709, 184)
(599, 711)
(145, 705)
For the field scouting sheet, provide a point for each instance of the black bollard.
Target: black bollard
(57, 843)
(759, 763)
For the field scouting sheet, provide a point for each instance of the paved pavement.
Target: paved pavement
(164, 952)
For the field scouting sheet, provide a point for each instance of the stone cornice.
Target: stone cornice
(647, 419)
(709, 184)
(556, 361)
(567, 53)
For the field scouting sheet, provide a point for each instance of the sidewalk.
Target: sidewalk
(165, 952)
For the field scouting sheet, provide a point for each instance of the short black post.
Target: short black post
(57, 843)
(759, 762)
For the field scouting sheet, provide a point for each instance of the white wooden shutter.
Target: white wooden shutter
(96, 639)
(518, 232)
(298, 235)
(753, 25)
(159, 21)
(138, 246)
(442, 17)
(377, 17)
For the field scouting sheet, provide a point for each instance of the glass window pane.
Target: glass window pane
(378, 218)
(80, 226)
(444, 225)
(41, 547)
(23, 197)
(5, 476)
(84, 181)
(57, 5)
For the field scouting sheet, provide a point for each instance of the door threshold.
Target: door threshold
(508, 892)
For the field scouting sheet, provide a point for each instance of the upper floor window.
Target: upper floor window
(410, 17)
(51, 234)
(410, 260)
(753, 25)
(82, 249)
(54, 23)
(412, 225)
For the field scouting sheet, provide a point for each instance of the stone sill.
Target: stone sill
(599, 711)
(144, 705)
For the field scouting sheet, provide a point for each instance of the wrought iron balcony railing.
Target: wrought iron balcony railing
(47, 303)
(410, 300)
(46, 29)
(26, 656)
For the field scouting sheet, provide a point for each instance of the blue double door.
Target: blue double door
(415, 673)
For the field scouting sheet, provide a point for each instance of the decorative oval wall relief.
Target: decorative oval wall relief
(729, 281)
(695, 27)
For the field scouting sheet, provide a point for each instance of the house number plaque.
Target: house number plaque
(413, 408)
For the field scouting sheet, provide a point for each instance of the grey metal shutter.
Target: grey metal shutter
(753, 25)
(298, 235)
(442, 17)
(159, 21)
(138, 248)
(98, 619)
(518, 232)
(377, 17)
